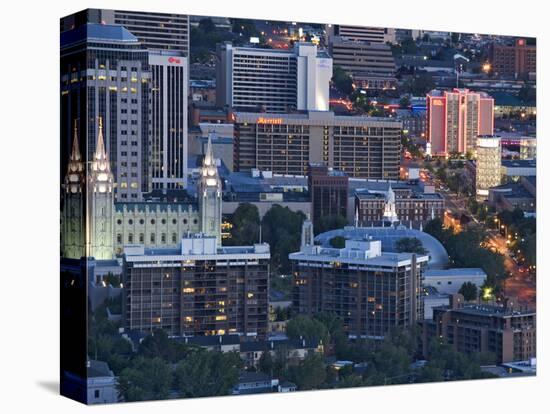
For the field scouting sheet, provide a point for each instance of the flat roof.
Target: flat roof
(455, 272)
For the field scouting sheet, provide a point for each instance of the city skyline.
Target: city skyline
(289, 206)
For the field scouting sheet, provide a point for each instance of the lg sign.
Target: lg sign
(173, 60)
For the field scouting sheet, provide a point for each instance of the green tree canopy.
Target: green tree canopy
(410, 245)
(145, 379)
(281, 228)
(246, 225)
(468, 290)
(207, 373)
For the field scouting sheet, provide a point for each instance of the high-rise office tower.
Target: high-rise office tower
(273, 80)
(488, 162)
(328, 190)
(360, 58)
(157, 31)
(105, 73)
(363, 33)
(168, 144)
(456, 118)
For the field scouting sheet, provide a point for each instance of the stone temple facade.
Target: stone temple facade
(94, 225)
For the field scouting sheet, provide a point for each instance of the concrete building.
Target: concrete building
(105, 73)
(362, 33)
(488, 160)
(197, 289)
(433, 299)
(518, 59)
(328, 190)
(370, 290)
(360, 58)
(449, 281)
(156, 31)
(415, 203)
(273, 80)
(456, 118)
(168, 143)
(507, 333)
(359, 146)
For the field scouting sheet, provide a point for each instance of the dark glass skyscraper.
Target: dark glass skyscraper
(105, 73)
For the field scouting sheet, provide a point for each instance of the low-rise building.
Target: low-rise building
(507, 333)
(101, 383)
(415, 203)
(510, 196)
(449, 281)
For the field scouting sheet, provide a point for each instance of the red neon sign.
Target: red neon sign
(173, 60)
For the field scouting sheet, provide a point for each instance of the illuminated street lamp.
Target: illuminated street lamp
(486, 67)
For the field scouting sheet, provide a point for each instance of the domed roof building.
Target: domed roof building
(439, 259)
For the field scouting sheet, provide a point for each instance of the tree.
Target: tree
(246, 225)
(410, 245)
(145, 379)
(468, 290)
(157, 344)
(420, 84)
(265, 364)
(330, 222)
(306, 327)
(528, 94)
(408, 46)
(281, 228)
(338, 242)
(342, 80)
(405, 102)
(441, 173)
(309, 373)
(207, 373)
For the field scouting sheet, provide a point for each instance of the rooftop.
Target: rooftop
(96, 31)
(438, 257)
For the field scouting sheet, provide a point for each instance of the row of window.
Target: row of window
(153, 221)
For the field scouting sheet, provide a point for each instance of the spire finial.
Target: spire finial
(100, 153)
(209, 155)
(75, 152)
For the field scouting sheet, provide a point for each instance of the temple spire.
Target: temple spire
(100, 153)
(75, 151)
(209, 155)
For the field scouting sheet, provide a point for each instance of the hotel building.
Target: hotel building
(273, 80)
(358, 146)
(370, 290)
(456, 118)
